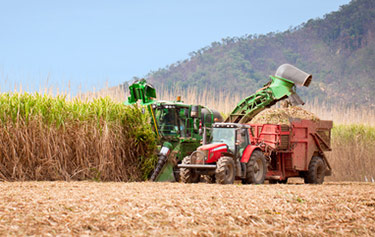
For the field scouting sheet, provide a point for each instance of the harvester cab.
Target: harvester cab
(176, 119)
(178, 128)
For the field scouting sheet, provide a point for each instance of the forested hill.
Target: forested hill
(339, 50)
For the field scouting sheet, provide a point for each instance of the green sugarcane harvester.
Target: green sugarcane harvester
(180, 128)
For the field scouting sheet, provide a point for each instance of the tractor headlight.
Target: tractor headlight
(199, 157)
(205, 154)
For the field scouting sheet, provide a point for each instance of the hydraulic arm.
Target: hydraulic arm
(281, 86)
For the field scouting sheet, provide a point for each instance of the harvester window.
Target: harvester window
(183, 123)
(168, 121)
(182, 127)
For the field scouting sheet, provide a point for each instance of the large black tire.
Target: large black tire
(225, 171)
(256, 168)
(316, 172)
(210, 179)
(176, 173)
(188, 175)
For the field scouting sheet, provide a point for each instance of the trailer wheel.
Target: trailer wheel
(224, 172)
(188, 175)
(316, 172)
(256, 168)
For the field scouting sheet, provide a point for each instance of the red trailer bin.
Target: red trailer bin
(293, 150)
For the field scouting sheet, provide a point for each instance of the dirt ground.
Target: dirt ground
(92, 208)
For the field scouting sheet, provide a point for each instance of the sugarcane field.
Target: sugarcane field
(269, 131)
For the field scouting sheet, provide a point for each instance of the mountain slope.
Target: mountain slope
(339, 50)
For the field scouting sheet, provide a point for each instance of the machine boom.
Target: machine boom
(277, 89)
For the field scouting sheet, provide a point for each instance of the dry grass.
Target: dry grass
(51, 138)
(82, 208)
(352, 156)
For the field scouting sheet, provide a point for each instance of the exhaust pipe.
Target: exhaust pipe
(294, 74)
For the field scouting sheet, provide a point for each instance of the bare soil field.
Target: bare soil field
(92, 208)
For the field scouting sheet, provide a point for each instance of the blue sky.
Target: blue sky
(85, 44)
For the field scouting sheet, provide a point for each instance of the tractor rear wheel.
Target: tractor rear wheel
(316, 172)
(225, 172)
(256, 168)
(188, 175)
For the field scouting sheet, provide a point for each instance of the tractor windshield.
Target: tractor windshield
(224, 135)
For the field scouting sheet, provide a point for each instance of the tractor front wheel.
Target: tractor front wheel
(225, 172)
(210, 179)
(256, 168)
(316, 172)
(188, 175)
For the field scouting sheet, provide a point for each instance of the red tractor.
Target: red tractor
(229, 155)
(255, 152)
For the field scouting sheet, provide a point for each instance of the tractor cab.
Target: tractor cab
(235, 136)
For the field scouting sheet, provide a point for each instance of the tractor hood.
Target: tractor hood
(213, 151)
(214, 146)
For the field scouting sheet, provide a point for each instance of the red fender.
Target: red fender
(248, 152)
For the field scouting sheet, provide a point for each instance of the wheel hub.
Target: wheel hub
(258, 169)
